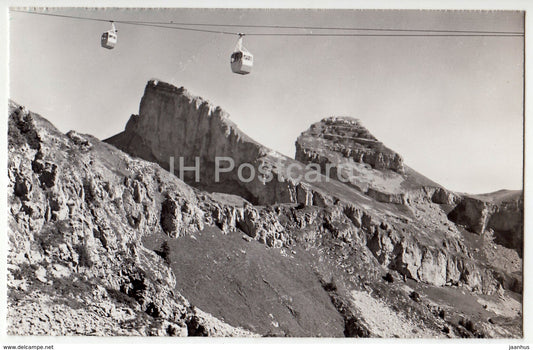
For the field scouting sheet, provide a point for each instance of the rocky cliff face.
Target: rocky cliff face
(500, 213)
(118, 245)
(172, 123)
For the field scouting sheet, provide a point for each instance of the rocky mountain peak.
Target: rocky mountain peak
(167, 112)
(175, 126)
(347, 137)
(345, 126)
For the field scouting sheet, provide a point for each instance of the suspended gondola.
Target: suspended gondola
(241, 60)
(109, 38)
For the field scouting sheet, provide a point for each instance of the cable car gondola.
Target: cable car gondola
(109, 38)
(242, 60)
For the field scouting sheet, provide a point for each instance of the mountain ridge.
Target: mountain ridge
(77, 203)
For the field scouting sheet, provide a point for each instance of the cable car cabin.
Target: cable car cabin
(242, 62)
(109, 39)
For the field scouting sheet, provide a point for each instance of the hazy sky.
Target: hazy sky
(452, 107)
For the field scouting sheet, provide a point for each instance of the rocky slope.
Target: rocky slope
(78, 209)
(307, 256)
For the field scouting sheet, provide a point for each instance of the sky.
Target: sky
(451, 106)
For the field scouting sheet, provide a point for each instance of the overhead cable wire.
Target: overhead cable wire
(126, 22)
(380, 35)
(332, 28)
(177, 28)
(417, 32)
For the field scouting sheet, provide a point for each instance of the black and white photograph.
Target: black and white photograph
(265, 172)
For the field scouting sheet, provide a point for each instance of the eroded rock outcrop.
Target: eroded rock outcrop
(501, 212)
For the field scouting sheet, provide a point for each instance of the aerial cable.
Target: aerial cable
(381, 35)
(127, 22)
(178, 28)
(332, 28)
(172, 25)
